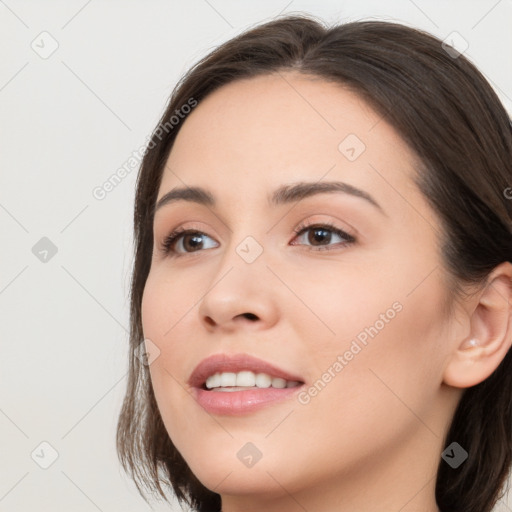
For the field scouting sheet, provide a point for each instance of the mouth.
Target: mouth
(240, 370)
(239, 383)
(246, 379)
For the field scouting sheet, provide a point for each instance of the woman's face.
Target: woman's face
(359, 320)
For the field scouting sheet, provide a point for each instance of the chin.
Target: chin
(234, 468)
(240, 481)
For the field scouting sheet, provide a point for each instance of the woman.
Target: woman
(323, 278)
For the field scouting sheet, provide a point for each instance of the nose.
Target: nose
(240, 295)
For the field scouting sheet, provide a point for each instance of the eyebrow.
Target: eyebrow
(283, 195)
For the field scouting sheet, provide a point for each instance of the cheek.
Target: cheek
(166, 305)
(338, 305)
(161, 315)
(167, 312)
(365, 396)
(374, 338)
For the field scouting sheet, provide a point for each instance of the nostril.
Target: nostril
(209, 321)
(250, 316)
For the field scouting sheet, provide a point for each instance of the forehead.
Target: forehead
(254, 134)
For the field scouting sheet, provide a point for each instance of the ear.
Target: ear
(477, 356)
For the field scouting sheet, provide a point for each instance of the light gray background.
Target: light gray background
(68, 122)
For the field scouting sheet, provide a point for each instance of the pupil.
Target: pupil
(320, 235)
(195, 241)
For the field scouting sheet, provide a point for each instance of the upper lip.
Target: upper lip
(235, 363)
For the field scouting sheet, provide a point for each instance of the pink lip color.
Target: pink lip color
(241, 402)
(238, 402)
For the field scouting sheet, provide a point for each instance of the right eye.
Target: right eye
(183, 241)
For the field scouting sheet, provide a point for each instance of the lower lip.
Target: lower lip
(241, 402)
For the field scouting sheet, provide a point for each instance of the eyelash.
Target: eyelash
(304, 227)
(171, 239)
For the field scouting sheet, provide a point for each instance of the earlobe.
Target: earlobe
(470, 343)
(478, 355)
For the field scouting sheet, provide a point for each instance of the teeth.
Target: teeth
(263, 380)
(246, 379)
(227, 379)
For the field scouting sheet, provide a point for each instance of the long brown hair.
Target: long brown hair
(445, 110)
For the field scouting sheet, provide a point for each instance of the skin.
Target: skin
(371, 439)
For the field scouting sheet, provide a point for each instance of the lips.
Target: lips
(235, 363)
(236, 401)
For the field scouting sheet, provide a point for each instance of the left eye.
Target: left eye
(324, 236)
